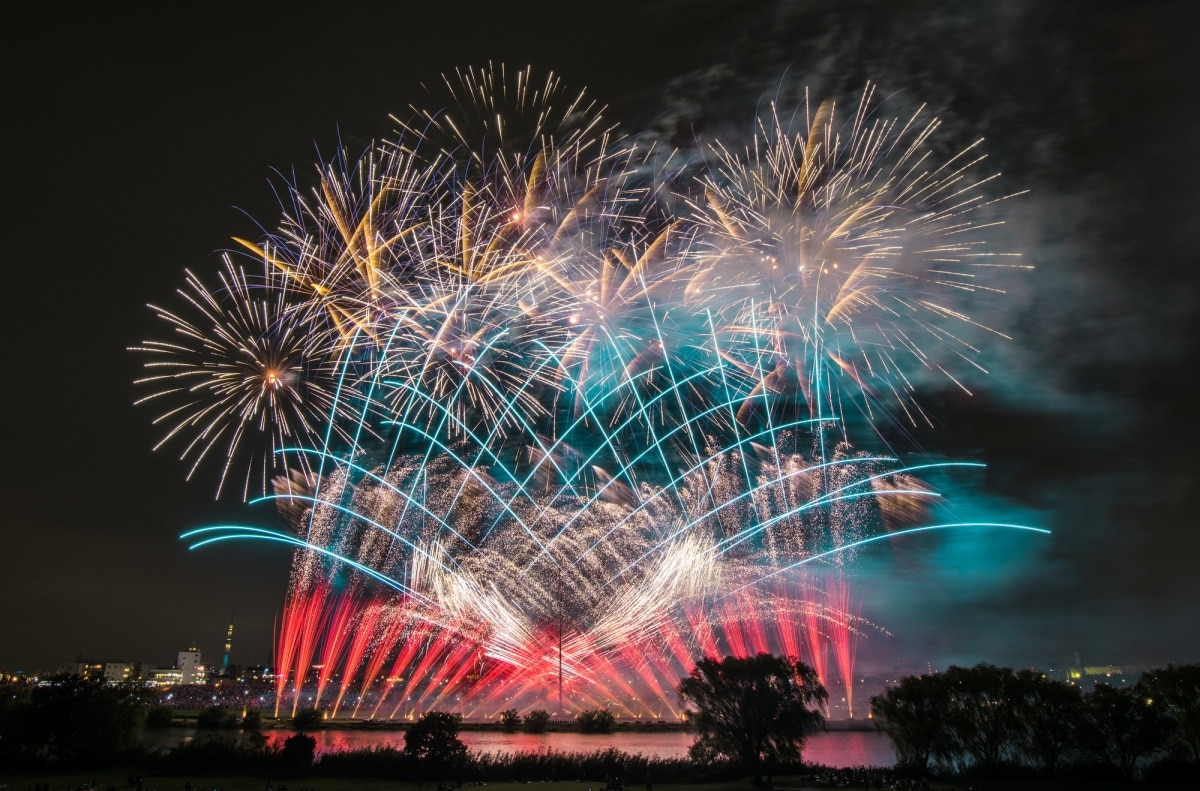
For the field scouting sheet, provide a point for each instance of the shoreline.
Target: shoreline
(564, 726)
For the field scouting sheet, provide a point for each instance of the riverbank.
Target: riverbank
(829, 748)
(189, 717)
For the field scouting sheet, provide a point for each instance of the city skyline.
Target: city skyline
(217, 669)
(1082, 420)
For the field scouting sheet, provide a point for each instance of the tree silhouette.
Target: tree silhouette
(433, 740)
(72, 719)
(307, 720)
(298, 752)
(1175, 689)
(1123, 726)
(751, 711)
(1049, 712)
(595, 721)
(913, 714)
(510, 720)
(536, 721)
(981, 715)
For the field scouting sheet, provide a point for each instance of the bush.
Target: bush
(159, 716)
(297, 754)
(1173, 770)
(433, 741)
(307, 720)
(595, 768)
(536, 721)
(205, 752)
(71, 721)
(595, 721)
(257, 741)
(378, 761)
(252, 720)
(510, 720)
(216, 717)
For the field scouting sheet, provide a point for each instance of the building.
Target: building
(76, 668)
(191, 667)
(1113, 675)
(162, 677)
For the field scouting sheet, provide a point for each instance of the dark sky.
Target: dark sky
(142, 143)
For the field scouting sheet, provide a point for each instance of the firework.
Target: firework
(557, 440)
(856, 251)
(241, 378)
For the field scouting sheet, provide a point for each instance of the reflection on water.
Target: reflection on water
(833, 748)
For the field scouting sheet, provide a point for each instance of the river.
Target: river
(836, 748)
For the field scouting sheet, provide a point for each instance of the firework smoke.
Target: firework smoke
(537, 434)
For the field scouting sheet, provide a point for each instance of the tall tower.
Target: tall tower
(228, 645)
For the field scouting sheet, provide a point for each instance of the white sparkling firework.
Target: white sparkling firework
(519, 393)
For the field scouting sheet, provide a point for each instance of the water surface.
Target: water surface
(832, 748)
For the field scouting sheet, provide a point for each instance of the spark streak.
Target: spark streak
(538, 435)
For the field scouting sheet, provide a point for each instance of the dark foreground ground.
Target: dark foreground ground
(114, 780)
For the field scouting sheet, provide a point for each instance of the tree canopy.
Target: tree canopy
(914, 715)
(753, 711)
(433, 740)
(1123, 726)
(1175, 689)
(981, 718)
(69, 720)
(536, 721)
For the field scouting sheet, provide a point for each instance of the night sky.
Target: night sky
(141, 144)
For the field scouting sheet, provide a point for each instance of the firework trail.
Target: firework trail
(555, 441)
